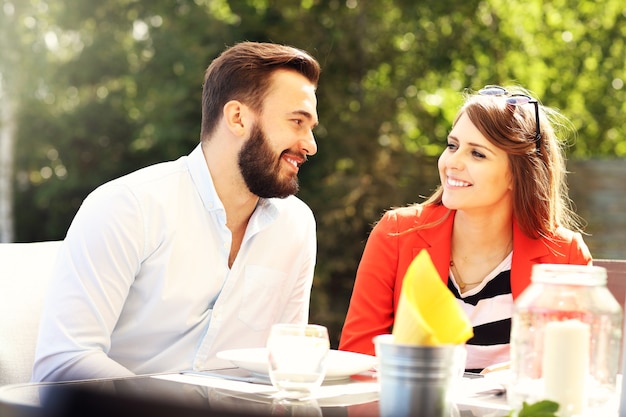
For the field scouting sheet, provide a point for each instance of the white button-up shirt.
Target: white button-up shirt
(142, 282)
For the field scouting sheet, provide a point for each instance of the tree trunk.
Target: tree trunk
(7, 140)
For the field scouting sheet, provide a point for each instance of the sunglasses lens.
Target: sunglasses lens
(516, 100)
(492, 90)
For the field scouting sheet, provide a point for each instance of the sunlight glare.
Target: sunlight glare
(51, 40)
(140, 30)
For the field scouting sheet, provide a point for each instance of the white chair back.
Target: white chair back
(25, 269)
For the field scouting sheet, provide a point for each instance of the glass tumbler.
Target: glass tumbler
(297, 358)
(566, 340)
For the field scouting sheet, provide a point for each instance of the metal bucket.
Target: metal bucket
(417, 380)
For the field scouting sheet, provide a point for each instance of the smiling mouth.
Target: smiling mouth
(295, 161)
(292, 162)
(457, 183)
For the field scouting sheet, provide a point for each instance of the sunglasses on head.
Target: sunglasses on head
(515, 100)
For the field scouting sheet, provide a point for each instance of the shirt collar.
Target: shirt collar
(202, 180)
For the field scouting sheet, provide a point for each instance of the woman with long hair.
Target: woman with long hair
(502, 207)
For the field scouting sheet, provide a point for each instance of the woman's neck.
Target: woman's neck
(479, 244)
(484, 235)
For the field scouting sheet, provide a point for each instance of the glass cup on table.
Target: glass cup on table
(297, 358)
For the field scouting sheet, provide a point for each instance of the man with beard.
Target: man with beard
(165, 267)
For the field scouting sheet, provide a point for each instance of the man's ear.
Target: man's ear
(237, 117)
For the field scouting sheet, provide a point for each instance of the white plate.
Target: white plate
(502, 376)
(341, 364)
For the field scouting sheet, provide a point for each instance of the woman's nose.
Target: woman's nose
(454, 160)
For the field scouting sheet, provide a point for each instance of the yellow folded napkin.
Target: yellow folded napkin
(428, 314)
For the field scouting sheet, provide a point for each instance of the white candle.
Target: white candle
(566, 364)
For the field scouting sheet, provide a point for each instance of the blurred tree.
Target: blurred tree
(22, 64)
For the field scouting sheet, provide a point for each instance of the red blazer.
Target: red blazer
(387, 256)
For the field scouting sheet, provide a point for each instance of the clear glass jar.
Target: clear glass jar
(566, 340)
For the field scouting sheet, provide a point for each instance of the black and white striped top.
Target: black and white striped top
(489, 307)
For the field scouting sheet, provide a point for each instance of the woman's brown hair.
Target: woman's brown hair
(541, 201)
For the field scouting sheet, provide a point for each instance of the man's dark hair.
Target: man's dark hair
(242, 72)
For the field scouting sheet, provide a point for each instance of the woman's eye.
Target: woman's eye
(478, 154)
(450, 145)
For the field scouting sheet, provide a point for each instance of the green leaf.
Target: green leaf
(544, 408)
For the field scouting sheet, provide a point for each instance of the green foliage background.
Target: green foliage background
(105, 87)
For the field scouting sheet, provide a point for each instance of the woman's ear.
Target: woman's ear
(236, 117)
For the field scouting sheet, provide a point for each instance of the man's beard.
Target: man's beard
(261, 169)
